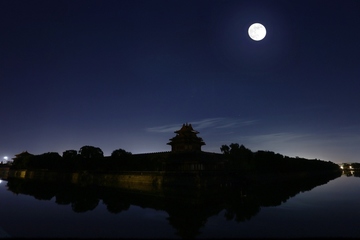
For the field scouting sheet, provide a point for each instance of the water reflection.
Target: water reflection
(351, 173)
(188, 207)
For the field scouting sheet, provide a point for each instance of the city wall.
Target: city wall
(128, 180)
(133, 180)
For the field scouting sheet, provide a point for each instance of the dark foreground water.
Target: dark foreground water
(33, 209)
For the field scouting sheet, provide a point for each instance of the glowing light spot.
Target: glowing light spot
(257, 31)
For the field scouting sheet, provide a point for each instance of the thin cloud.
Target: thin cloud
(236, 123)
(164, 129)
(277, 137)
(309, 138)
(206, 123)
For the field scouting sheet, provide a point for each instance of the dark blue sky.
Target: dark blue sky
(126, 74)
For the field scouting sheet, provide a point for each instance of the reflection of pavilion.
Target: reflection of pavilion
(189, 208)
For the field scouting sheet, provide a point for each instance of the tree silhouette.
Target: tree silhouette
(48, 160)
(225, 149)
(69, 154)
(240, 158)
(91, 152)
(120, 154)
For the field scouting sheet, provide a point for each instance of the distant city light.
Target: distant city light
(6, 158)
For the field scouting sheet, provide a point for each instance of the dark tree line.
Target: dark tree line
(90, 158)
(241, 158)
(87, 158)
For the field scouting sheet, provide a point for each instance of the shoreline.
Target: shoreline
(155, 180)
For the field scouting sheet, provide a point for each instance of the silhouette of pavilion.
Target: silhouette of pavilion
(186, 140)
(22, 155)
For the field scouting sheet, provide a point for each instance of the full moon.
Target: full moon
(257, 31)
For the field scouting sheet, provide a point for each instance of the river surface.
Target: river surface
(327, 210)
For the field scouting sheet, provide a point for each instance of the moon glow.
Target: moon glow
(257, 31)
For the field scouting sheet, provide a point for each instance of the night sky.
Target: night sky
(127, 74)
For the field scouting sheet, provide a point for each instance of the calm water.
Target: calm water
(331, 209)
